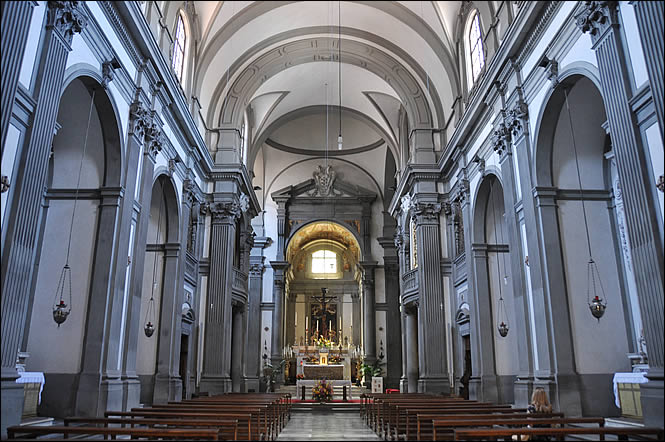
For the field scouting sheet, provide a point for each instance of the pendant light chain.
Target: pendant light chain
(596, 304)
(339, 71)
(501, 314)
(61, 309)
(149, 327)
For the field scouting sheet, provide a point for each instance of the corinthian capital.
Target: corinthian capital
(427, 212)
(516, 119)
(596, 16)
(500, 139)
(67, 18)
(225, 212)
(140, 118)
(153, 140)
(399, 239)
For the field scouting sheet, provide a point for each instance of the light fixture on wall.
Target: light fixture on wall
(61, 309)
(149, 327)
(597, 304)
(502, 317)
(340, 141)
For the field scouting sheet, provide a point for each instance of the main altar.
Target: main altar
(314, 362)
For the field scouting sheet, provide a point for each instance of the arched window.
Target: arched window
(476, 52)
(178, 56)
(324, 261)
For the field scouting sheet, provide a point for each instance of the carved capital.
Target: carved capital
(188, 194)
(516, 119)
(406, 203)
(256, 270)
(500, 139)
(660, 184)
(596, 16)
(243, 201)
(398, 238)
(5, 183)
(225, 212)
(551, 70)
(140, 118)
(427, 212)
(153, 140)
(107, 71)
(67, 18)
(463, 191)
(447, 209)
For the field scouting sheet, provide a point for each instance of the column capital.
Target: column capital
(256, 270)
(427, 212)
(153, 139)
(140, 119)
(67, 18)
(225, 213)
(188, 194)
(596, 17)
(516, 120)
(398, 239)
(500, 139)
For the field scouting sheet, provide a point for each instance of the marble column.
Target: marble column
(433, 365)
(144, 130)
(168, 384)
(21, 229)
(14, 28)
(277, 340)
(649, 16)
(253, 351)
(517, 124)
(216, 376)
(99, 389)
(369, 313)
(237, 340)
(601, 20)
(412, 359)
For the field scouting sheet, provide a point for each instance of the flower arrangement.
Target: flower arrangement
(322, 391)
(300, 376)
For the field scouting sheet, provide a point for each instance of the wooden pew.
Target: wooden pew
(228, 427)
(151, 433)
(622, 432)
(448, 426)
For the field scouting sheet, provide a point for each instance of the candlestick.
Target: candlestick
(306, 322)
(296, 321)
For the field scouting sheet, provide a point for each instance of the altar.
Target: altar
(315, 362)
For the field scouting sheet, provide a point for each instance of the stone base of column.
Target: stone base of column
(434, 384)
(215, 385)
(12, 405)
(403, 385)
(522, 390)
(483, 388)
(567, 390)
(652, 400)
(94, 395)
(131, 393)
(167, 388)
(250, 385)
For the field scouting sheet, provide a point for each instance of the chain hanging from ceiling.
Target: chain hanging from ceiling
(149, 327)
(62, 309)
(502, 316)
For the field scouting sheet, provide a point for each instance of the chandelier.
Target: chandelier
(502, 317)
(149, 327)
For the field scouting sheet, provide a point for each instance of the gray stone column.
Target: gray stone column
(517, 124)
(14, 27)
(393, 323)
(168, 385)
(649, 16)
(600, 19)
(98, 389)
(433, 365)
(216, 376)
(401, 256)
(289, 320)
(355, 313)
(22, 229)
(148, 132)
(412, 359)
(369, 313)
(277, 341)
(253, 350)
(237, 339)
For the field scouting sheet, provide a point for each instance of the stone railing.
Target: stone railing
(239, 284)
(410, 283)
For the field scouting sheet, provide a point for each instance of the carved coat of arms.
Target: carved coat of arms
(324, 178)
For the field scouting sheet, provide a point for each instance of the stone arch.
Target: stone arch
(339, 224)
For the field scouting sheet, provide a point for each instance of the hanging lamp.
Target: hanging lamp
(62, 309)
(502, 317)
(149, 327)
(596, 302)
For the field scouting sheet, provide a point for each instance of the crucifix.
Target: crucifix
(324, 301)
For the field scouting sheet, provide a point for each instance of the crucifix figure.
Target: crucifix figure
(323, 314)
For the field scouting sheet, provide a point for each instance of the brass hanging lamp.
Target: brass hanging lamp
(596, 301)
(149, 327)
(62, 309)
(502, 317)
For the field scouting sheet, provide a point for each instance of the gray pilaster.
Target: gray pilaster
(14, 26)
(64, 20)
(401, 261)
(433, 365)
(237, 340)
(393, 322)
(142, 130)
(412, 368)
(168, 385)
(216, 376)
(650, 23)
(99, 389)
(253, 351)
(355, 312)
(369, 314)
(600, 19)
(277, 337)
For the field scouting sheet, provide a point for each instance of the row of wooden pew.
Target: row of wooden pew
(417, 416)
(232, 416)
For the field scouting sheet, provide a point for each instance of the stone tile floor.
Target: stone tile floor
(329, 426)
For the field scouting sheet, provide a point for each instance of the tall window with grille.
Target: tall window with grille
(178, 56)
(476, 47)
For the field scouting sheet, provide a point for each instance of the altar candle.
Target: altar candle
(296, 319)
(330, 325)
(306, 322)
(317, 325)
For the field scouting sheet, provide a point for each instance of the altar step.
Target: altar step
(337, 392)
